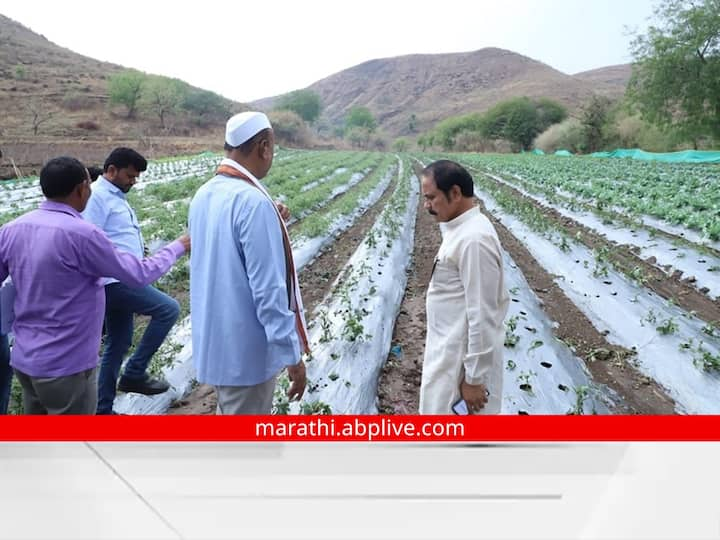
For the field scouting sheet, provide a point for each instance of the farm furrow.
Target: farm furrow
(608, 363)
(541, 374)
(678, 235)
(670, 287)
(677, 197)
(696, 264)
(351, 331)
(662, 335)
(399, 383)
(613, 269)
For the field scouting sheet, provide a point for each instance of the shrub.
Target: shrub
(472, 141)
(88, 125)
(568, 135)
(74, 101)
(289, 128)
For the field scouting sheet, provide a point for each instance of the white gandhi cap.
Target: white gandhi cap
(244, 126)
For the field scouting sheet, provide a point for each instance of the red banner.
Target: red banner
(341, 428)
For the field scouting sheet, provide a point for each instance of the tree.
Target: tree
(594, 118)
(305, 103)
(125, 88)
(400, 145)
(549, 112)
(676, 75)
(521, 123)
(359, 136)
(412, 123)
(360, 117)
(445, 132)
(425, 141)
(163, 97)
(205, 106)
(517, 121)
(38, 113)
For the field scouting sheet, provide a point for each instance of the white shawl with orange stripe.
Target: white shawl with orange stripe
(229, 167)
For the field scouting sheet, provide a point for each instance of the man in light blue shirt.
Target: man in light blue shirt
(245, 307)
(109, 210)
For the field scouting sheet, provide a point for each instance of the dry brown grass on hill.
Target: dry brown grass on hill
(55, 102)
(435, 87)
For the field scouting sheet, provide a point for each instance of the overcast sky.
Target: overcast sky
(247, 50)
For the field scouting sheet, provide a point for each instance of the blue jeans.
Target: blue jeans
(121, 304)
(6, 374)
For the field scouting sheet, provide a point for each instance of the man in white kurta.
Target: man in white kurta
(244, 329)
(466, 300)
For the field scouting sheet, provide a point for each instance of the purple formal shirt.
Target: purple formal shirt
(56, 260)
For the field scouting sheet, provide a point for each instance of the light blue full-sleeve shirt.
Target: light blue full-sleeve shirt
(243, 331)
(109, 210)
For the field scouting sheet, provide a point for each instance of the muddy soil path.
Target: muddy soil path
(399, 383)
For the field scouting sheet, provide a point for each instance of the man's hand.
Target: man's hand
(475, 395)
(284, 210)
(185, 240)
(298, 380)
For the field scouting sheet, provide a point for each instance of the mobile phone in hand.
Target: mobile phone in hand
(460, 407)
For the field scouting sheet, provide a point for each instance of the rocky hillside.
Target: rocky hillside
(434, 86)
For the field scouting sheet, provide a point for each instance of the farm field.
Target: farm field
(613, 269)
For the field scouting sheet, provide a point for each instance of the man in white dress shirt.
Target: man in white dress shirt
(466, 300)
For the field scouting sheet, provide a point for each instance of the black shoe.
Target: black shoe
(148, 386)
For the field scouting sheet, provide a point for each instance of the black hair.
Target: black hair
(247, 147)
(60, 176)
(123, 158)
(447, 174)
(95, 172)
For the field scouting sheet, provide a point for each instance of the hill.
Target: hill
(611, 79)
(435, 86)
(64, 96)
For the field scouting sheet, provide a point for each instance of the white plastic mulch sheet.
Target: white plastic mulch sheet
(631, 316)
(179, 374)
(306, 249)
(679, 230)
(344, 370)
(650, 221)
(355, 179)
(541, 375)
(28, 193)
(704, 268)
(316, 183)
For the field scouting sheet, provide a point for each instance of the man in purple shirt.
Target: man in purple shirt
(56, 260)
(5, 373)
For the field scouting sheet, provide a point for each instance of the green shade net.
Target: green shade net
(686, 156)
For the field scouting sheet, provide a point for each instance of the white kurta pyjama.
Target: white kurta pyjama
(466, 306)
